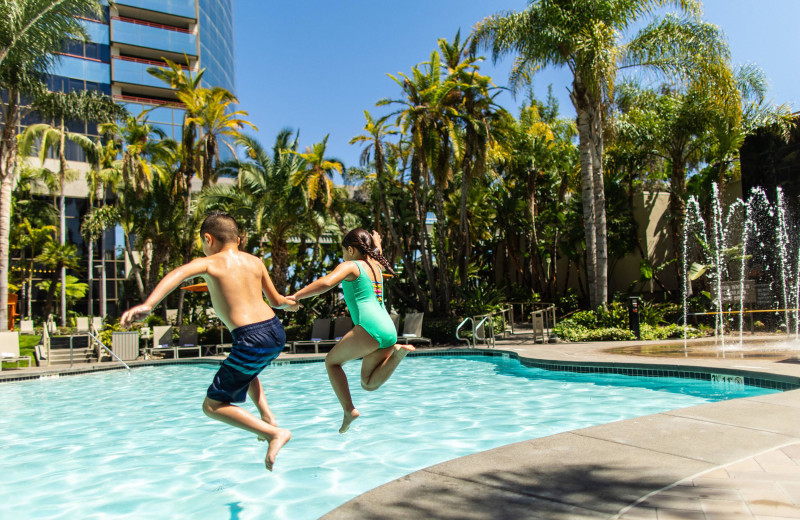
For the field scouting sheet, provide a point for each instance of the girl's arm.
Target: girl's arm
(275, 299)
(167, 284)
(376, 238)
(328, 282)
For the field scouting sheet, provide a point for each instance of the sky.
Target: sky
(316, 66)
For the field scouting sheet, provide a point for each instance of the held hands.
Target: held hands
(291, 305)
(134, 314)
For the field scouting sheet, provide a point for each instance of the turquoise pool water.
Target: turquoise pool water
(114, 445)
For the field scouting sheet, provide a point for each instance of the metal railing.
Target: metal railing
(107, 350)
(542, 320)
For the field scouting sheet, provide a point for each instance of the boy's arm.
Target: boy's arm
(275, 299)
(327, 282)
(167, 284)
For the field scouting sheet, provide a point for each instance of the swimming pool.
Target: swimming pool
(114, 445)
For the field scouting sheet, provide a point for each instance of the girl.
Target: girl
(373, 336)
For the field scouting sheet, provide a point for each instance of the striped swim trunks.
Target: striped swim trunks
(254, 347)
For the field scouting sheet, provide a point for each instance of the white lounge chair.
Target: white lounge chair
(9, 349)
(26, 327)
(81, 324)
(97, 325)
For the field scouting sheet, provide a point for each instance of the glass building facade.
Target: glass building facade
(133, 36)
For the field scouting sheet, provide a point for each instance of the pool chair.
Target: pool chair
(187, 340)
(26, 327)
(342, 326)
(162, 340)
(97, 325)
(9, 349)
(81, 324)
(412, 330)
(320, 336)
(396, 321)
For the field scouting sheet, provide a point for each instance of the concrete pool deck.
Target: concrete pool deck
(726, 460)
(732, 459)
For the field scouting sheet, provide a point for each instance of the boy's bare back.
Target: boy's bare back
(237, 282)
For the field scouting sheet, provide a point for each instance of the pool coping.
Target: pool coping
(594, 472)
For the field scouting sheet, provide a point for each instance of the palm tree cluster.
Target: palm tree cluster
(475, 204)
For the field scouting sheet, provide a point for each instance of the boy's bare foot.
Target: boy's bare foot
(275, 445)
(348, 419)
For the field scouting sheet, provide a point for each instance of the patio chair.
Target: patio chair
(187, 340)
(412, 329)
(320, 335)
(342, 326)
(26, 327)
(97, 325)
(162, 340)
(81, 324)
(396, 321)
(9, 349)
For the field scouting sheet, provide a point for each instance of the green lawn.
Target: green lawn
(26, 344)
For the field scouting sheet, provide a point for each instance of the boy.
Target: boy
(236, 281)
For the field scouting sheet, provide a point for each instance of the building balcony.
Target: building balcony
(182, 8)
(82, 68)
(153, 36)
(134, 72)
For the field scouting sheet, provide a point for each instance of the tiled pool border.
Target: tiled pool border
(751, 378)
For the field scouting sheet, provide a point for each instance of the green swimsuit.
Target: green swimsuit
(364, 299)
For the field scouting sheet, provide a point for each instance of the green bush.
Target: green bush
(571, 330)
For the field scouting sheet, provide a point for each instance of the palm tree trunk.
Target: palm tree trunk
(62, 209)
(103, 288)
(588, 199)
(601, 277)
(677, 207)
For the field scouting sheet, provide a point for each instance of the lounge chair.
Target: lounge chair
(187, 340)
(320, 335)
(9, 349)
(412, 329)
(162, 340)
(26, 327)
(81, 324)
(396, 321)
(342, 326)
(97, 325)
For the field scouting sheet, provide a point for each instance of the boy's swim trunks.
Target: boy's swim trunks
(254, 347)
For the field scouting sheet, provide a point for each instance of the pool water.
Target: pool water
(119, 445)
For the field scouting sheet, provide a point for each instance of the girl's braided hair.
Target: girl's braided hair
(361, 240)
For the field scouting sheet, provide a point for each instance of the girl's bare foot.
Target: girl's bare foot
(348, 418)
(275, 445)
(401, 350)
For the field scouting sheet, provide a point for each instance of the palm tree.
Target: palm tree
(32, 238)
(58, 257)
(264, 198)
(31, 33)
(216, 119)
(586, 37)
(82, 106)
(315, 172)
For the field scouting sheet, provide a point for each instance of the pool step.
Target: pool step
(79, 355)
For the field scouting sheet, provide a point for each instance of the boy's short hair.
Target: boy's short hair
(221, 226)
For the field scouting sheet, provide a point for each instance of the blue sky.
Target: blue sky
(316, 65)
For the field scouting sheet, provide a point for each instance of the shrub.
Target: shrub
(440, 330)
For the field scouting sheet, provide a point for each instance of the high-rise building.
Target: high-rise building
(133, 36)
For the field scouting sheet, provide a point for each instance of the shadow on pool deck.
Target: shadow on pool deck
(599, 471)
